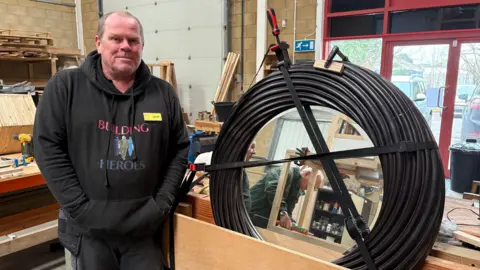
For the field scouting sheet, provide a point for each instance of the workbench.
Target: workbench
(39, 225)
(462, 215)
(31, 227)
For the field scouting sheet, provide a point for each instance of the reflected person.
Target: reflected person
(263, 194)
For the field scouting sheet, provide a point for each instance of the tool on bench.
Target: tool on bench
(295, 228)
(27, 145)
(27, 150)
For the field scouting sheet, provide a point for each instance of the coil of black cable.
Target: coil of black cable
(414, 190)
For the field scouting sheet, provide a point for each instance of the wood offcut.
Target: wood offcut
(334, 66)
(226, 79)
(166, 72)
(17, 114)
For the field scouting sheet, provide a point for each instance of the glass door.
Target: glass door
(420, 69)
(467, 98)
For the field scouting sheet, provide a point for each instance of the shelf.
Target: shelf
(27, 59)
(328, 212)
(326, 233)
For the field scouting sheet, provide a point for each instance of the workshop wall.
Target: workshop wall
(250, 39)
(26, 15)
(305, 29)
(305, 23)
(262, 147)
(90, 23)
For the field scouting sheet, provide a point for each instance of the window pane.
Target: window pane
(420, 72)
(352, 5)
(364, 52)
(434, 19)
(362, 25)
(466, 124)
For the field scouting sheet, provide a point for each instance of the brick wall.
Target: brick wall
(305, 23)
(41, 17)
(90, 22)
(250, 39)
(305, 29)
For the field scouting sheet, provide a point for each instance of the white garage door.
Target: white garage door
(191, 34)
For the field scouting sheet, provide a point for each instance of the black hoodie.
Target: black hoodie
(113, 161)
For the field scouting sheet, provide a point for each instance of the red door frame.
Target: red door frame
(449, 93)
(446, 37)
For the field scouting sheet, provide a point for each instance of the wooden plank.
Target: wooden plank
(303, 221)
(222, 78)
(471, 196)
(432, 263)
(311, 239)
(28, 238)
(63, 51)
(475, 185)
(53, 66)
(456, 254)
(334, 67)
(27, 219)
(201, 207)
(208, 126)
(460, 210)
(349, 137)
(203, 246)
(20, 45)
(299, 245)
(231, 74)
(25, 59)
(467, 238)
(17, 114)
(282, 181)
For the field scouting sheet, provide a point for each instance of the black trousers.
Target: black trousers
(96, 254)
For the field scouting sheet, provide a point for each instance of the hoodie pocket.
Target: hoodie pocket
(133, 218)
(68, 238)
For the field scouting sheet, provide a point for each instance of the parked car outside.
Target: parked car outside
(464, 92)
(471, 117)
(415, 88)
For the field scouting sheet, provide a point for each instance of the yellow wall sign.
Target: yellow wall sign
(152, 116)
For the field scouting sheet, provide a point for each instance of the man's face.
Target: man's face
(121, 46)
(250, 152)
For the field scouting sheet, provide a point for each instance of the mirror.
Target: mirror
(420, 97)
(293, 204)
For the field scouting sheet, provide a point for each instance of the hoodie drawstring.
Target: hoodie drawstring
(112, 115)
(132, 124)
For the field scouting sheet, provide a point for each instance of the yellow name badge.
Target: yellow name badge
(152, 116)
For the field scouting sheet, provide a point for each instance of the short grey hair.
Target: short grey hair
(103, 19)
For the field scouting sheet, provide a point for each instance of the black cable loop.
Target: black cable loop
(414, 190)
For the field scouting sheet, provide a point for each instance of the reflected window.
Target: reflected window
(361, 25)
(363, 52)
(434, 19)
(353, 5)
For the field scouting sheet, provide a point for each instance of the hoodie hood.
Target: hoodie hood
(92, 67)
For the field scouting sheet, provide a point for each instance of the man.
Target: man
(112, 145)
(263, 194)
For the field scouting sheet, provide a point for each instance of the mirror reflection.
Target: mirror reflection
(293, 204)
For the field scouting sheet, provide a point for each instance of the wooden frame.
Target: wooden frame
(167, 73)
(303, 221)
